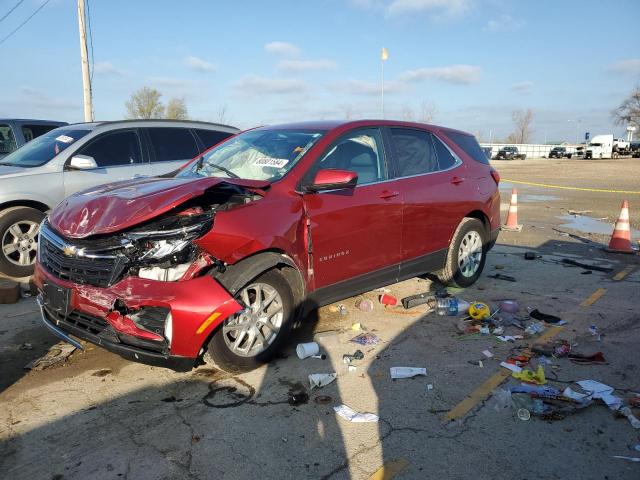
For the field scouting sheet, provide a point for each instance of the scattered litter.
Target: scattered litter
(356, 327)
(500, 276)
(545, 317)
(597, 268)
(479, 311)
(304, 350)
(536, 390)
(528, 376)
(364, 304)
(633, 420)
(631, 459)
(580, 359)
(320, 357)
(323, 399)
(430, 387)
(58, 353)
(637, 447)
(343, 310)
(498, 331)
(297, 398)
(383, 290)
(419, 299)
(509, 306)
(388, 300)
(357, 355)
(26, 346)
(510, 366)
(487, 353)
(593, 330)
(351, 415)
(573, 395)
(509, 338)
(451, 306)
(535, 328)
(601, 391)
(366, 339)
(318, 380)
(352, 368)
(406, 372)
(531, 255)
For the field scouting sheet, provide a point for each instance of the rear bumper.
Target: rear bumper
(104, 316)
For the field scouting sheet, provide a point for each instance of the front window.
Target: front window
(42, 149)
(255, 155)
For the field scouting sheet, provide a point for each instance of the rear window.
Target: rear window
(7, 140)
(469, 145)
(173, 144)
(34, 131)
(209, 138)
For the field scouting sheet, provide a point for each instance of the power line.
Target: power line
(23, 23)
(9, 12)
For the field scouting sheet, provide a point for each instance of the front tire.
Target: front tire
(466, 256)
(19, 228)
(254, 335)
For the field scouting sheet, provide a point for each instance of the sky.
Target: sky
(468, 63)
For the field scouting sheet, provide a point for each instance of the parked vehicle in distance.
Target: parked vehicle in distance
(635, 149)
(219, 260)
(605, 146)
(510, 153)
(39, 175)
(487, 152)
(16, 132)
(559, 152)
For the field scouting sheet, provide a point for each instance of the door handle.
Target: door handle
(457, 180)
(389, 194)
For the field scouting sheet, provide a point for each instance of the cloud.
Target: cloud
(456, 74)
(198, 64)
(359, 87)
(522, 87)
(108, 68)
(256, 85)
(307, 65)
(282, 48)
(504, 23)
(440, 7)
(170, 82)
(630, 66)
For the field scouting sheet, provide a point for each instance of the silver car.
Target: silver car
(39, 175)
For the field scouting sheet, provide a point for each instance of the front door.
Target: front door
(355, 231)
(118, 155)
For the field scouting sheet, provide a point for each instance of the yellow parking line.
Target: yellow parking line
(483, 391)
(562, 187)
(623, 273)
(390, 469)
(593, 298)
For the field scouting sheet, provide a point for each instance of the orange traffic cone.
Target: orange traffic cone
(621, 238)
(512, 218)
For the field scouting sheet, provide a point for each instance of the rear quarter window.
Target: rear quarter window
(209, 138)
(469, 145)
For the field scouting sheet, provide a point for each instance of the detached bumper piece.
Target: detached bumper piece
(99, 332)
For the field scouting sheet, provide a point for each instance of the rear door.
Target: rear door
(355, 231)
(170, 148)
(433, 181)
(118, 155)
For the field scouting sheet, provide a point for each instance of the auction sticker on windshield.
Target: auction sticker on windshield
(64, 139)
(271, 162)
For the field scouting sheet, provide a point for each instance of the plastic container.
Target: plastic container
(304, 350)
(451, 306)
(364, 305)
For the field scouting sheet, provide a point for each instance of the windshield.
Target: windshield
(255, 155)
(42, 149)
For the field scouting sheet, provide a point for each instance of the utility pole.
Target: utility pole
(86, 81)
(384, 55)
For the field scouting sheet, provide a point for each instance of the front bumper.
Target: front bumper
(100, 316)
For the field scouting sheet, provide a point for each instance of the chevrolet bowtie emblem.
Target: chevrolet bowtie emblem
(69, 250)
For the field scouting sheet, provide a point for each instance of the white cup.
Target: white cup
(305, 350)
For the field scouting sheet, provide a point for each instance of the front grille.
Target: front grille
(93, 325)
(88, 268)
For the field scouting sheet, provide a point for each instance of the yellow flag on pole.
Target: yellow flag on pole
(385, 54)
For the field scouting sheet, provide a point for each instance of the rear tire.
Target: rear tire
(468, 246)
(19, 228)
(226, 349)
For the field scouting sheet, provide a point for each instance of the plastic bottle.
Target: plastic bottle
(451, 306)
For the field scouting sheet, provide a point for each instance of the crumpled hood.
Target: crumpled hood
(117, 206)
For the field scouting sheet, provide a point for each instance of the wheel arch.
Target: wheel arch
(24, 203)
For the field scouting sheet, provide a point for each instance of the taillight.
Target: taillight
(496, 176)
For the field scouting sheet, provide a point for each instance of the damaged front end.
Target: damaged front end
(146, 292)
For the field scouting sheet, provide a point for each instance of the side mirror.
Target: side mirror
(82, 162)
(332, 179)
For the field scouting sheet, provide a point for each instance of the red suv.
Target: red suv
(218, 260)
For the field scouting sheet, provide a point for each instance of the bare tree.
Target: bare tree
(176, 109)
(522, 121)
(408, 113)
(428, 111)
(145, 103)
(222, 115)
(629, 110)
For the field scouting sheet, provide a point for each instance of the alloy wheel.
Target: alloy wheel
(470, 254)
(20, 243)
(249, 332)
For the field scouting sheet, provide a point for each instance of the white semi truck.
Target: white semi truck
(605, 146)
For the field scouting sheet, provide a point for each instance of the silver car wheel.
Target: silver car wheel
(250, 331)
(470, 254)
(20, 243)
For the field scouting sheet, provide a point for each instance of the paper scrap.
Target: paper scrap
(406, 372)
(509, 338)
(366, 339)
(270, 162)
(351, 415)
(567, 392)
(511, 366)
(601, 391)
(318, 380)
(429, 386)
(487, 353)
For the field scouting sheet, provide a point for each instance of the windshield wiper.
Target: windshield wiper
(200, 163)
